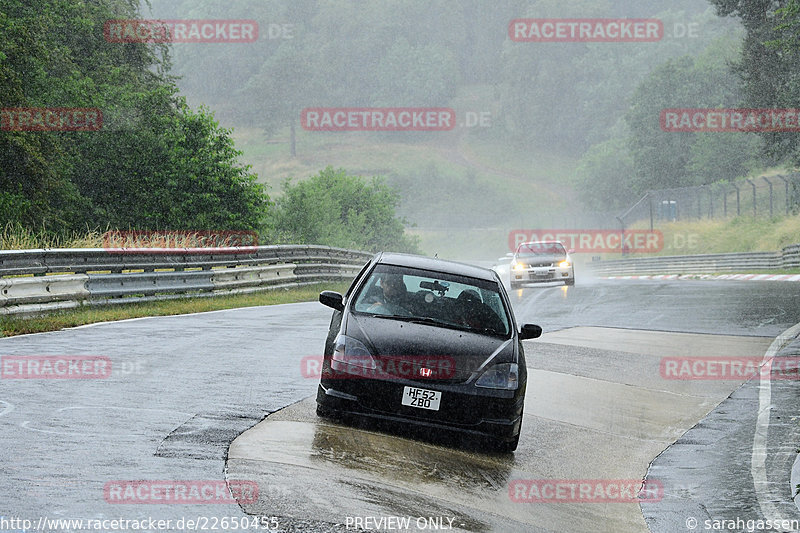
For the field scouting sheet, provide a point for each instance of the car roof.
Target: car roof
(435, 264)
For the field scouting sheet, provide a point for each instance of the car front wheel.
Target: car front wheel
(324, 413)
(506, 446)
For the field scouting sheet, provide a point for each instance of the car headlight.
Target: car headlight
(519, 266)
(503, 376)
(564, 264)
(348, 351)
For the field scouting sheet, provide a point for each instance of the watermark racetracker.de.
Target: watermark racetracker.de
(585, 491)
(729, 368)
(377, 119)
(715, 120)
(55, 367)
(586, 30)
(180, 31)
(593, 240)
(180, 492)
(385, 367)
(51, 119)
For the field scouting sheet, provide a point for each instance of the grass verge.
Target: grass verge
(741, 234)
(11, 325)
(787, 272)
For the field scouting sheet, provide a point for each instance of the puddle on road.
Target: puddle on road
(393, 457)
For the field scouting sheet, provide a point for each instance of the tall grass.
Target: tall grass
(740, 234)
(19, 237)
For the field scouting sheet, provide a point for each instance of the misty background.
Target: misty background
(565, 135)
(548, 135)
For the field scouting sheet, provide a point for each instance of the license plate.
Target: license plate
(541, 273)
(422, 398)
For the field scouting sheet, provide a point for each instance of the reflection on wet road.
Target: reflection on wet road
(576, 427)
(597, 407)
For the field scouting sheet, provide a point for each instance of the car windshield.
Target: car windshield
(541, 248)
(435, 298)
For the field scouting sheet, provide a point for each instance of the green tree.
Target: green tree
(767, 67)
(171, 168)
(669, 159)
(154, 164)
(603, 176)
(335, 209)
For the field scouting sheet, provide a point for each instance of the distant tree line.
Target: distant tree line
(754, 68)
(594, 102)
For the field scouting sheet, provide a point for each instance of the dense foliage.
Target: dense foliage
(155, 163)
(768, 64)
(339, 210)
(161, 163)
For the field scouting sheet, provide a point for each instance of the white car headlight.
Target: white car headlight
(503, 376)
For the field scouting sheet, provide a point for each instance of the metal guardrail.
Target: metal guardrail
(37, 281)
(789, 257)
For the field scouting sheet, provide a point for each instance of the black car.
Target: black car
(426, 342)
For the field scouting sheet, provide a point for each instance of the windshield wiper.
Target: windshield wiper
(422, 320)
(441, 323)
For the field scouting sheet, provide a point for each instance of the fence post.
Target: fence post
(754, 195)
(711, 202)
(725, 201)
(700, 205)
(786, 182)
(770, 194)
(738, 202)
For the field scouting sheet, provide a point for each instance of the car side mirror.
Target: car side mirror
(332, 299)
(571, 251)
(530, 331)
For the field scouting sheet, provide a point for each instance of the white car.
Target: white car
(540, 262)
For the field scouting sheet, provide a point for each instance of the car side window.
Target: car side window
(357, 278)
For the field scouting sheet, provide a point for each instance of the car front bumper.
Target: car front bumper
(459, 412)
(542, 274)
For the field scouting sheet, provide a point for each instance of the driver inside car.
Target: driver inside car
(395, 296)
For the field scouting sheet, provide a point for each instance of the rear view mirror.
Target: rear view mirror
(530, 331)
(331, 299)
(441, 288)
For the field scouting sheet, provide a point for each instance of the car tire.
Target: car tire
(570, 282)
(515, 285)
(324, 413)
(506, 446)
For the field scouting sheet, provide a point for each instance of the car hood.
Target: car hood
(467, 352)
(544, 258)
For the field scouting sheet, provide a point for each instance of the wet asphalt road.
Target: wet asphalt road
(184, 387)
